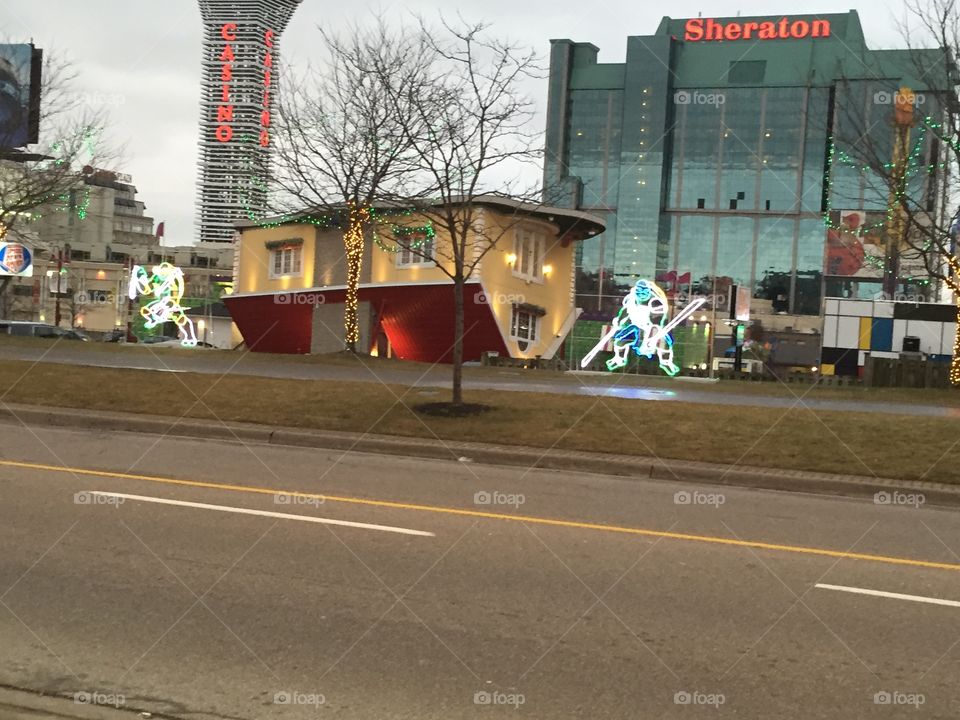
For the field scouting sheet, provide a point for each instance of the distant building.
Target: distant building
(101, 220)
(714, 153)
(239, 85)
(83, 247)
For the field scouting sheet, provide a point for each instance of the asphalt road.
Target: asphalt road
(438, 376)
(567, 596)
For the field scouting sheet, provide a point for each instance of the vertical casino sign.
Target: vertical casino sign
(228, 59)
(267, 85)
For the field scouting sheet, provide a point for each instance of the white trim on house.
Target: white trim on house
(328, 288)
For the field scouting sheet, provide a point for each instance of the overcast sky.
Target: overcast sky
(142, 59)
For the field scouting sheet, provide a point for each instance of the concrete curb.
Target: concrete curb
(684, 471)
(19, 704)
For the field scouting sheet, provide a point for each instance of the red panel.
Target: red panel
(270, 326)
(418, 320)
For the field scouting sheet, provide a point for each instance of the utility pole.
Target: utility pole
(130, 336)
(59, 275)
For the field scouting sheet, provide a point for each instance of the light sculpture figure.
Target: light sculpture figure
(643, 325)
(164, 285)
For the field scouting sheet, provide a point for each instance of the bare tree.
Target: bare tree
(470, 131)
(341, 145)
(906, 152)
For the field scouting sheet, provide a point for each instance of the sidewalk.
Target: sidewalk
(510, 455)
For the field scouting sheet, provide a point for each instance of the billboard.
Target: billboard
(15, 259)
(20, 81)
(855, 245)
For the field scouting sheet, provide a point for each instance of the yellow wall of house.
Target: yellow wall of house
(254, 270)
(384, 268)
(504, 289)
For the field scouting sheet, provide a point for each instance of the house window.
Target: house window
(285, 260)
(529, 248)
(524, 325)
(413, 257)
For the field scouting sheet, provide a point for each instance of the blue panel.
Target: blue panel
(881, 338)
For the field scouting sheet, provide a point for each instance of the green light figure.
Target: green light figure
(165, 285)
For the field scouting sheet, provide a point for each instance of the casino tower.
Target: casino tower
(238, 96)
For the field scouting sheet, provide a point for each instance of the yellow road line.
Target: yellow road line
(799, 549)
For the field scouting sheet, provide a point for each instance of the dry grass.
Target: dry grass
(252, 363)
(896, 446)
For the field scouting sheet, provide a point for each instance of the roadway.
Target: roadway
(438, 376)
(183, 577)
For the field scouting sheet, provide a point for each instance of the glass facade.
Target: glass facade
(710, 166)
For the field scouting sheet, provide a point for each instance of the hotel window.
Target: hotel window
(524, 324)
(285, 260)
(529, 248)
(418, 255)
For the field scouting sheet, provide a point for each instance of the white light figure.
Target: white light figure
(165, 285)
(643, 325)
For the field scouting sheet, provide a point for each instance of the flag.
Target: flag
(160, 230)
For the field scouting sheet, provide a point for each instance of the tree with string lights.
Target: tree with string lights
(340, 146)
(911, 158)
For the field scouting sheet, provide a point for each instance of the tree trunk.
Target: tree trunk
(955, 361)
(458, 339)
(353, 245)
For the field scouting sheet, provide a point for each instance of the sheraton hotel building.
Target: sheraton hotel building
(707, 152)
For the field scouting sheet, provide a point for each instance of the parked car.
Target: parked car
(44, 330)
(155, 339)
(175, 342)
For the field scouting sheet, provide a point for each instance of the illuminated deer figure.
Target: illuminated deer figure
(165, 285)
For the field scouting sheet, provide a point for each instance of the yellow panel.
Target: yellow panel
(827, 369)
(866, 328)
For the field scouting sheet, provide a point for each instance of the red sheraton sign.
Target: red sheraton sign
(698, 29)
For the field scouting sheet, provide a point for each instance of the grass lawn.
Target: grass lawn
(247, 362)
(895, 446)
